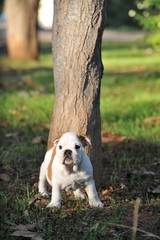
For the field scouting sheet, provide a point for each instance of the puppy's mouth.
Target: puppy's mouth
(68, 161)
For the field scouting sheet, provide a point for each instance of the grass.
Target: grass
(130, 90)
(131, 152)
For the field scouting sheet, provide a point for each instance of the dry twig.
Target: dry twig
(135, 218)
(148, 234)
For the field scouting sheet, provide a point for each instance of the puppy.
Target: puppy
(67, 167)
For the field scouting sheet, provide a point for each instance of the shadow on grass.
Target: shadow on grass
(124, 163)
(134, 164)
(124, 160)
(20, 157)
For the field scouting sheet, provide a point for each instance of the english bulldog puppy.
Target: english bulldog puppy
(67, 167)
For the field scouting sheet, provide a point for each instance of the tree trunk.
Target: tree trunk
(21, 33)
(78, 69)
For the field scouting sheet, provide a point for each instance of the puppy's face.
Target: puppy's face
(70, 148)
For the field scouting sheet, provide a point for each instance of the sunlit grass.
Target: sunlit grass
(130, 90)
(128, 57)
(27, 109)
(28, 94)
(129, 93)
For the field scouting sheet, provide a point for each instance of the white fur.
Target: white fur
(63, 179)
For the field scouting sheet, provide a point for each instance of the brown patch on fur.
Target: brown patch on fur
(86, 142)
(49, 169)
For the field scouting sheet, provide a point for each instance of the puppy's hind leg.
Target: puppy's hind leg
(42, 180)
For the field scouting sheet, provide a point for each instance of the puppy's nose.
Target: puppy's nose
(67, 153)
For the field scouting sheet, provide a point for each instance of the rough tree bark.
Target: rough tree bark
(77, 34)
(21, 32)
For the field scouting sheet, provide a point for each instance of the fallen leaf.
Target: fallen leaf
(22, 227)
(105, 194)
(15, 112)
(4, 124)
(113, 137)
(13, 134)
(35, 186)
(27, 234)
(106, 191)
(4, 177)
(45, 126)
(22, 230)
(149, 173)
(29, 82)
(151, 121)
(23, 93)
(155, 190)
(123, 186)
(144, 173)
(23, 107)
(112, 232)
(40, 200)
(10, 85)
(35, 199)
(38, 140)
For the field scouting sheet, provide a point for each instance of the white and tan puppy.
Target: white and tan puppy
(67, 167)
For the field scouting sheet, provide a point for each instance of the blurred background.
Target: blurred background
(130, 54)
(15, 18)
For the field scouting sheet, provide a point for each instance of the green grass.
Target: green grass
(130, 94)
(130, 90)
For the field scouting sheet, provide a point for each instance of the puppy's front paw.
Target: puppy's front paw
(54, 205)
(79, 195)
(45, 194)
(96, 203)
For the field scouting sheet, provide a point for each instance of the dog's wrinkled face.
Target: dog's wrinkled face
(69, 149)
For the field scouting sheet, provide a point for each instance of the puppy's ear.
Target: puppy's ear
(85, 140)
(56, 142)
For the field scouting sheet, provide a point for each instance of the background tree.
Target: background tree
(1, 5)
(150, 20)
(21, 32)
(77, 34)
(118, 14)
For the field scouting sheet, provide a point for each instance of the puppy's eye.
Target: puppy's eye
(60, 147)
(77, 147)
